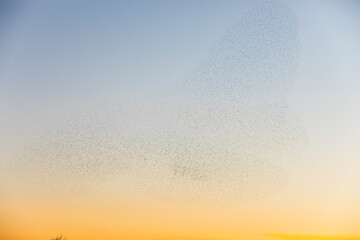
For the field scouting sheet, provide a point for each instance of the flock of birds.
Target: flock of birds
(226, 133)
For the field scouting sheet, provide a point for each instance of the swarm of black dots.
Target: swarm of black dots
(226, 133)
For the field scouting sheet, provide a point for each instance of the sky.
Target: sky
(72, 73)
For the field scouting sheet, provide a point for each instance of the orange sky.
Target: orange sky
(109, 215)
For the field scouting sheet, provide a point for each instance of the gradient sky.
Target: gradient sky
(57, 58)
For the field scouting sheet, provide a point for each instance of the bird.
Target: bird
(224, 133)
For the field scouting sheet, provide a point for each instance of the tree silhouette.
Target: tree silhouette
(59, 238)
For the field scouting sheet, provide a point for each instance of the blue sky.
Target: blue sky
(77, 49)
(89, 52)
